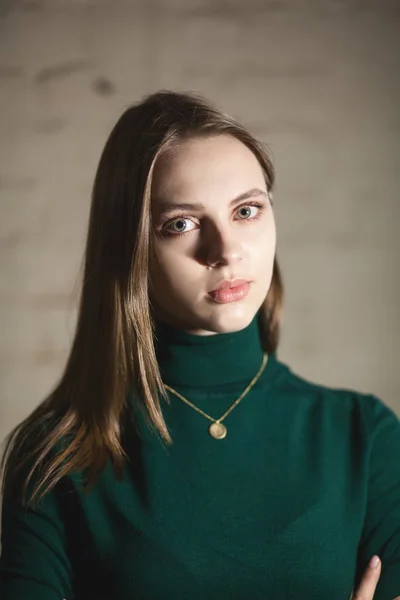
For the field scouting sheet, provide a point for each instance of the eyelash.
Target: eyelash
(258, 205)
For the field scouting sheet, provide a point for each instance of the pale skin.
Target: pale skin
(367, 587)
(213, 218)
(226, 230)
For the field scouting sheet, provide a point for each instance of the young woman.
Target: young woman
(178, 457)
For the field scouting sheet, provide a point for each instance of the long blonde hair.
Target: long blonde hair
(78, 426)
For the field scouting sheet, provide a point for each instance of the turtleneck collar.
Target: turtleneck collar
(197, 361)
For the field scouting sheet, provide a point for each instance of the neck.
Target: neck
(186, 359)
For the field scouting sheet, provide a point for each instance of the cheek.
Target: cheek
(263, 246)
(175, 269)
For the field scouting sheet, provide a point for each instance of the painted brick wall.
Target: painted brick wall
(318, 80)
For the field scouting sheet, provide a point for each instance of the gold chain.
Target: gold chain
(217, 430)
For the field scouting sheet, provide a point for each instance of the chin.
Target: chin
(229, 318)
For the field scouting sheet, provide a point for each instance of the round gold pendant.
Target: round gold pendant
(217, 430)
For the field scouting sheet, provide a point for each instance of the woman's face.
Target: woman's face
(213, 225)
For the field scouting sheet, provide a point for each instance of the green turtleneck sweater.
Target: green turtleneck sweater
(292, 503)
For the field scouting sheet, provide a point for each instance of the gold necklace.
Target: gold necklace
(217, 430)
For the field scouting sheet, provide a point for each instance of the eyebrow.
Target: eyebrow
(166, 207)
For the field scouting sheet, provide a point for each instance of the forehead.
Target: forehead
(200, 168)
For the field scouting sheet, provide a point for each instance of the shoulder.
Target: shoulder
(369, 409)
(35, 450)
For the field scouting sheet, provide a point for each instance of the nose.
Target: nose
(222, 247)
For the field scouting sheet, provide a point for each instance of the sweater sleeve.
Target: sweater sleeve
(34, 564)
(381, 531)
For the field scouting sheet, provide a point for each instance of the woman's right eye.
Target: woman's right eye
(179, 226)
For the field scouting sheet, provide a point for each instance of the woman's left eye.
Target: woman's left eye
(248, 212)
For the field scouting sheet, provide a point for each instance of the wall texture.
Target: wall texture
(318, 80)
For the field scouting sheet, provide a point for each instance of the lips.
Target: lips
(226, 285)
(230, 291)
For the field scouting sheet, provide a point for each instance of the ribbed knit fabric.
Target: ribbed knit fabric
(291, 504)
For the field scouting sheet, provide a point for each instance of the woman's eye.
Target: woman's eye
(181, 225)
(247, 212)
(184, 224)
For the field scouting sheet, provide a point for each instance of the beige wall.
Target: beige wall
(317, 79)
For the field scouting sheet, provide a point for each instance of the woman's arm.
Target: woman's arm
(34, 564)
(381, 531)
